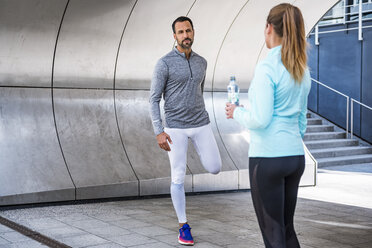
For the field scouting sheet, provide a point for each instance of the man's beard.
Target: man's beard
(184, 46)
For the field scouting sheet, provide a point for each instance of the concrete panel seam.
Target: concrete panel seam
(114, 92)
(214, 72)
(52, 93)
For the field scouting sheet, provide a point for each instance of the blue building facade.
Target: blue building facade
(343, 62)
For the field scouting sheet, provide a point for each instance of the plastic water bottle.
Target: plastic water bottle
(233, 91)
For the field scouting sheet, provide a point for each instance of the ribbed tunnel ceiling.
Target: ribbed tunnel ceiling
(75, 78)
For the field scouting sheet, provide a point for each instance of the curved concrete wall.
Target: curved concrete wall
(74, 86)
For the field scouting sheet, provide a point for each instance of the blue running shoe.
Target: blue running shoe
(185, 237)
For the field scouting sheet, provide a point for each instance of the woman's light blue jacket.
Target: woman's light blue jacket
(276, 111)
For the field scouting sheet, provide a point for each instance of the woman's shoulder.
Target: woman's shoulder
(266, 66)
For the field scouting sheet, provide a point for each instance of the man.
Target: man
(179, 77)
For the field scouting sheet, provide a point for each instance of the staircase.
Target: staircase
(330, 147)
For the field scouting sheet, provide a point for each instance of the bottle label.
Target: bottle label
(233, 97)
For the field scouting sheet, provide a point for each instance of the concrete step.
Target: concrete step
(362, 168)
(324, 135)
(319, 128)
(329, 143)
(340, 151)
(355, 159)
(314, 121)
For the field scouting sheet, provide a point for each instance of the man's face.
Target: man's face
(184, 34)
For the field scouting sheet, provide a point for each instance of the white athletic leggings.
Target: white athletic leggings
(206, 147)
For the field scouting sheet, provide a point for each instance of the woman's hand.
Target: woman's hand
(230, 107)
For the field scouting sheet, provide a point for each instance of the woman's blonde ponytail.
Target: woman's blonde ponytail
(288, 23)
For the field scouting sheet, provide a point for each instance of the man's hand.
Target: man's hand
(230, 110)
(163, 141)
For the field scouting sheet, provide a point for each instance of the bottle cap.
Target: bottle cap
(232, 78)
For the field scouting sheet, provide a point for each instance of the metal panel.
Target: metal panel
(88, 43)
(242, 45)
(208, 38)
(225, 180)
(31, 163)
(158, 186)
(244, 182)
(227, 163)
(91, 143)
(148, 160)
(146, 39)
(193, 160)
(234, 136)
(28, 31)
(150, 163)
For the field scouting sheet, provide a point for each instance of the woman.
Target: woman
(276, 117)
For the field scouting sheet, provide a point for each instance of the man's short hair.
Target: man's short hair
(181, 19)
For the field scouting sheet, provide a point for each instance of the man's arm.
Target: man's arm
(158, 82)
(202, 85)
(203, 82)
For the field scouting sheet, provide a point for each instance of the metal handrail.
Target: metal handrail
(352, 100)
(360, 20)
(352, 112)
(347, 103)
(344, 22)
(337, 30)
(344, 13)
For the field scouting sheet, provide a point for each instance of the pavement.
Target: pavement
(335, 213)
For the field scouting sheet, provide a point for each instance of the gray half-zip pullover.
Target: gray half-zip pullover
(181, 83)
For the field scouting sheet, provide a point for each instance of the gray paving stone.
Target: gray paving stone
(151, 218)
(38, 224)
(130, 223)
(171, 239)
(364, 245)
(83, 240)
(166, 222)
(112, 216)
(62, 232)
(306, 228)
(153, 245)
(222, 240)
(4, 229)
(108, 231)
(106, 245)
(131, 240)
(206, 245)
(87, 224)
(24, 244)
(248, 243)
(74, 217)
(14, 236)
(321, 242)
(4, 241)
(152, 231)
(349, 240)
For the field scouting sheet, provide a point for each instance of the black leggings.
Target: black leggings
(274, 185)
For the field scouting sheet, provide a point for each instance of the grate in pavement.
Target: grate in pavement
(32, 234)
